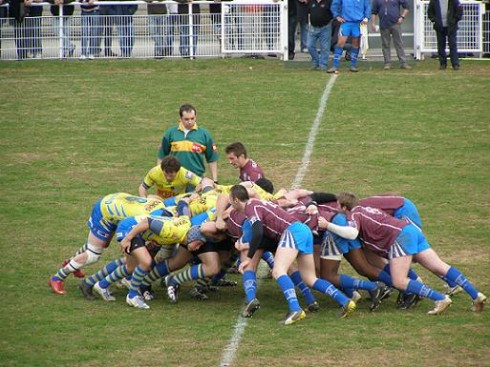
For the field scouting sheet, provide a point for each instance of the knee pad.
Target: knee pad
(93, 254)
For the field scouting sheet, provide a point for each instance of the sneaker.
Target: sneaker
(250, 308)
(313, 307)
(57, 286)
(456, 67)
(104, 293)
(332, 70)
(292, 317)
(443, 67)
(147, 293)
(86, 291)
(137, 301)
(356, 296)
(405, 66)
(348, 309)
(91, 57)
(376, 294)
(441, 306)
(77, 273)
(226, 283)
(387, 67)
(197, 293)
(451, 291)
(353, 69)
(479, 302)
(400, 300)
(409, 301)
(83, 57)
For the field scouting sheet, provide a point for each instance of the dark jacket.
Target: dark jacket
(454, 14)
(67, 9)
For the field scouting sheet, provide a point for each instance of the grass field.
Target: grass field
(72, 132)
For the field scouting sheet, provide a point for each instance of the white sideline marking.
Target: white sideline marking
(230, 350)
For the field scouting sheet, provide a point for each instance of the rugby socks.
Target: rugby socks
(349, 282)
(349, 292)
(62, 273)
(385, 278)
(249, 280)
(287, 287)
(422, 290)
(102, 273)
(216, 278)
(454, 275)
(354, 54)
(329, 289)
(268, 257)
(159, 271)
(118, 274)
(81, 249)
(304, 289)
(136, 279)
(194, 272)
(337, 54)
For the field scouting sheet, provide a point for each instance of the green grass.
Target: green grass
(71, 132)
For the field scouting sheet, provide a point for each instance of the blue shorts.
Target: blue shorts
(298, 236)
(408, 211)
(124, 227)
(350, 29)
(410, 241)
(333, 245)
(101, 228)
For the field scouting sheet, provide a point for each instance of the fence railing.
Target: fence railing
(201, 29)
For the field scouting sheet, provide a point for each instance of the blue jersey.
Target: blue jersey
(351, 10)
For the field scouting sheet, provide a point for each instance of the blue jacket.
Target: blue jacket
(388, 11)
(351, 10)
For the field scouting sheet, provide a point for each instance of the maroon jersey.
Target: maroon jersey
(325, 210)
(377, 230)
(299, 212)
(251, 171)
(274, 219)
(234, 224)
(387, 203)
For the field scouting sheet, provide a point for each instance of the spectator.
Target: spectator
(191, 144)
(3, 15)
(185, 38)
(292, 23)
(302, 20)
(27, 28)
(172, 23)
(156, 23)
(320, 31)
(445, 15)
(390, 21)
(91, 22)
(66, 31)
(350, 13)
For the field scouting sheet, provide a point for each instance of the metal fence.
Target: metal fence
(239, 27)
(471, 35)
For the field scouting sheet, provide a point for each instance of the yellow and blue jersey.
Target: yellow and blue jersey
(163, 231)
(167, 189)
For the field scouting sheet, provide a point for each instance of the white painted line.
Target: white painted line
(231, 349)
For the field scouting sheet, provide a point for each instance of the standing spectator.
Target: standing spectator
(108, 22)
(390, 21)
(185, 27)
(302, 20)
(156, 22)
(3, 14)
(249, 169)
(91, 30)
(124, 24)
(172, 23)
(445, 15)
(191, 144)
(292, 23)
(65, 31)
(350, 13)
(27, 28)
(320, 31)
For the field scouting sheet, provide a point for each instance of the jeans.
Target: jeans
(91, 32)
(323, 36)
(185, 35)
(68, 45)
(156, 28)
